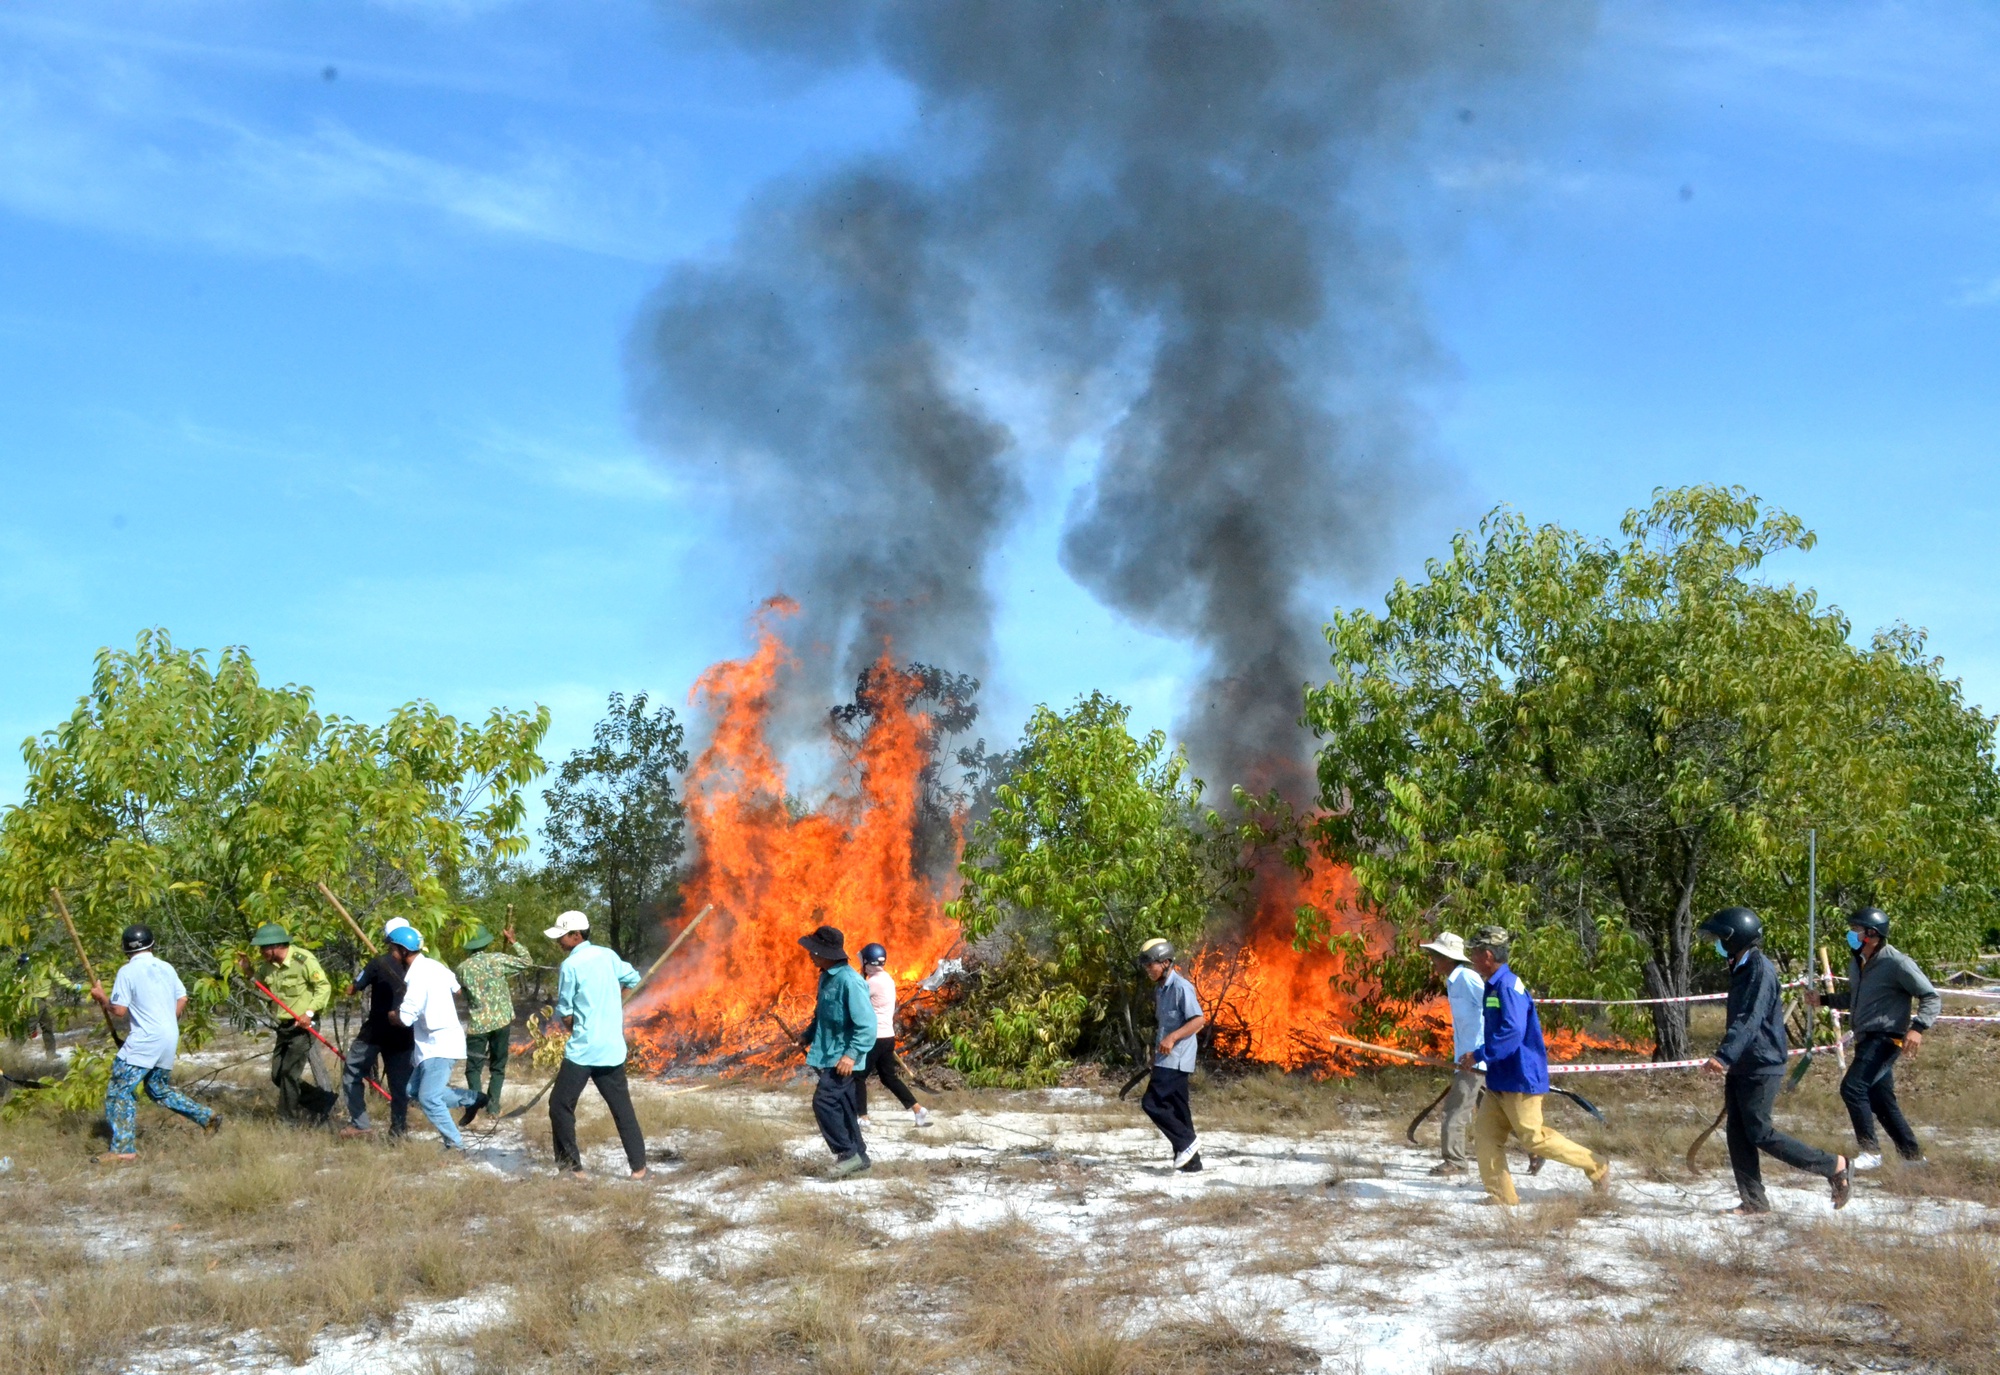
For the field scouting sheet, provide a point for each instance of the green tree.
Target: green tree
(1094, 844)
(1597, 743)
(616, 827)
(184, 793)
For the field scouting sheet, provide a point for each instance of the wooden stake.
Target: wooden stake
(352, 924)
(1840, 1051)
(674, 945)
(1390, 1050)
(88, 972)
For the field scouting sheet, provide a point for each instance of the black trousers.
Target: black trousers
(1869, 1090)
(617, 1096)
(1166, 1102)
(833, 1108)
(881, 1063)
(298, 1100)
(1748, 1098)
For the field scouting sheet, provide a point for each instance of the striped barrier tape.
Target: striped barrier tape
(1639, 1066)
(1976, 1021)
(1646, 1002)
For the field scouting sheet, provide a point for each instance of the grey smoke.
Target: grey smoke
(1176, 179)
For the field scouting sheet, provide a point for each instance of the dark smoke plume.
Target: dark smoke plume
(1171, 181)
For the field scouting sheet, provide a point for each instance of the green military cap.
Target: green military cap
(270, 933)
(479, 939)
(1490, 938)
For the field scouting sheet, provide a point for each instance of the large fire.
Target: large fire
(771, 873)
(769, 870)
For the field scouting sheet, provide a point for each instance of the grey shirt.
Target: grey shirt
(1879, 993)
(1174, 1006)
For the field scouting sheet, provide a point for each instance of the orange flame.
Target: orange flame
(772, 875)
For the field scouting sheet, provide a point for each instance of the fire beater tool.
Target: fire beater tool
(348, 917)
(1418, 1120)
(1436, 1063)
(1134, 1082)
(651, 969)
(88, 972)
(1706, 1132)
(313, 1032)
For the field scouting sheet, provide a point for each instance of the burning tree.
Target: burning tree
(1598, 743)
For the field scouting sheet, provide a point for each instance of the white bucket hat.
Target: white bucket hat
(569, 923)
(1447, 944)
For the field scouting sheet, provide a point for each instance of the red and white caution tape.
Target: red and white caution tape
(1641, 1066)
(1646, 1002)
(1991, 993)
(1975, 1021)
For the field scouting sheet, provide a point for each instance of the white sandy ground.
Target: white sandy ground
(1416, 1257)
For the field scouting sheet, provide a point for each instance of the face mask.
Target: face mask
(1721, 950)
(1853, 940)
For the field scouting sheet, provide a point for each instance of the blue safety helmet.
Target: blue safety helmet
(873, 953)
(407, 937)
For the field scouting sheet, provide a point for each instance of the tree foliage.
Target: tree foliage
(1595, 743)
(184, 793)
(616, 826)
(1094, 844)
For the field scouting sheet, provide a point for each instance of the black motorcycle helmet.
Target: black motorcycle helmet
(136, 938)
(1738, 928)
(1156, 951)
(1870, 919)
(873, 953)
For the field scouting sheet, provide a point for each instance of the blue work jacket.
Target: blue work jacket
(1516, 1060)
(843, 1021)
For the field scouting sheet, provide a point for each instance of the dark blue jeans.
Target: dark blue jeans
(1869, 1090)
(1749, 1099)
(839, 1123)
(397, 1064)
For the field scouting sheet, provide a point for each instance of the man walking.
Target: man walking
(1517, 1076)
(881, 1060)
(589, 1003)
(1178, 1020)
(489, 1027)
(380, 1037)
(294, 977)
(428, 1011)
(1752, 1057)
(1881, 981)
(149, 995)
(1465, 992)
(839, 1037)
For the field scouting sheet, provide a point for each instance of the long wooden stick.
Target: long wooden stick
(88, 972)
(672, 946)
(1390, 1050)
(352, 924)
(1839, 1050)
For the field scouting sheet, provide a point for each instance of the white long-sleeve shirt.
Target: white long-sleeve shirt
(882, 993)
(1466, 992)
(428, 1010)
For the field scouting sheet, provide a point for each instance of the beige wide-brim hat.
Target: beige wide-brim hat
(1448, 945)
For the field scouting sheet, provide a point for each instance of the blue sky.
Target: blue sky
(311, 324)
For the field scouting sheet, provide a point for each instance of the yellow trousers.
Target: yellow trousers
(1519, 1115)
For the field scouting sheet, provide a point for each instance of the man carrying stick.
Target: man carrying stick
(1881, 981)
(150, 996)
(1752, 1056)
(381, 1037)
(1464, 992)
(1517, 1077)
(1178, 1020)
(837, 1039)
(295, 979)
(590, 1008)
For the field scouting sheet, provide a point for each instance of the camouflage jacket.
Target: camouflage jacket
(490, 1000)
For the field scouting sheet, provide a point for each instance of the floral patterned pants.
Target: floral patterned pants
(121, 1101)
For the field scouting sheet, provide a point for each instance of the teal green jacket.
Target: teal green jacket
(844, 1021)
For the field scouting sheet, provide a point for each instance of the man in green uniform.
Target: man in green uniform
(295, 979)
(489, 1026)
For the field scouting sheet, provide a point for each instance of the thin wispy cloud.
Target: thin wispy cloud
(116, 143)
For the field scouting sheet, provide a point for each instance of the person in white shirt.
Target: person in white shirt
(1466, 992)
(881, 1060)
(428, 1011)
(150, 996)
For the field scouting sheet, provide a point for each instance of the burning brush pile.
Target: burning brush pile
(769, 868)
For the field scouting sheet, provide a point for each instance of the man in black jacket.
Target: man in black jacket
(1752, 1056)
(1881, 981)
(380, 1037)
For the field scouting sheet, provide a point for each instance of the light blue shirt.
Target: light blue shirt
(147, 988)
(1174, 1006)
(588, 994)
(1466, 992)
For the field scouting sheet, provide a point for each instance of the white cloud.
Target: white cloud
(109, 138)
(1986, 293)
